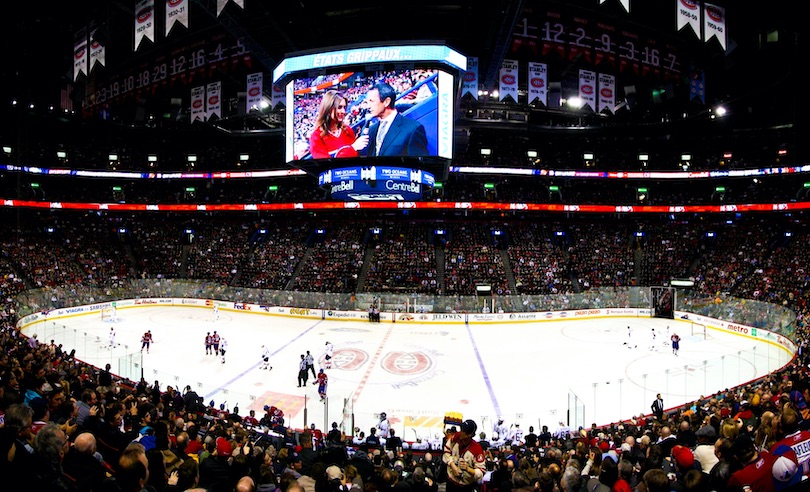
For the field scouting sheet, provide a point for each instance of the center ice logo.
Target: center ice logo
(406, 363)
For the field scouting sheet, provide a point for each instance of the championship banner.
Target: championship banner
(470, 81)
(278, 96)
(714, 24)
(538, 83)
(689, 15)
(587, 88)
(607, 93)
(213, 100)
(80, 54)
(198, 104)
(144, 21)
(176, 11)
(222, 3)
(625, 4)
(254, 91)
(508, 81)
(98, 53)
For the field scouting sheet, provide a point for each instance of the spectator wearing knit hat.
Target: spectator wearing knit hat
(683, 461)
(215, 470)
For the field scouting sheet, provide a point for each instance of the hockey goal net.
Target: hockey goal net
(699, 330)
(108, 314)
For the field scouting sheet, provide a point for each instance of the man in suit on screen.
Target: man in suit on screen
(394, 134)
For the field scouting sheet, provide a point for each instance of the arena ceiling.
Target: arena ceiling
(39, 39)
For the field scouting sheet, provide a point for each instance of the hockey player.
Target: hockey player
(112, 337)
(215, 339)
(676, 343)
(383, 426)
(223, 346)
(146, 341)
(216, 312)
(516, 435)
(499, 431)
(209, 343)
(652, 340)
(322, 380)
(629, 342)
(327, 359)
(265, 359)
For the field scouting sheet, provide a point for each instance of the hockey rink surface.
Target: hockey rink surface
(416, 373)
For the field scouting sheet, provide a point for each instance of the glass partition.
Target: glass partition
(599, 401)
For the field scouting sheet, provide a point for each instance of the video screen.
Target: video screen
(366, 114)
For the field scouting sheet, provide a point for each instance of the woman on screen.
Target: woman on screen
(331, 136)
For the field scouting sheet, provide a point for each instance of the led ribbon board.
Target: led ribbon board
(376, 183)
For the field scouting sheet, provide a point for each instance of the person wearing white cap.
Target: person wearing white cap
(464, 458)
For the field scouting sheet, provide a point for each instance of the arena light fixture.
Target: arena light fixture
(531, 153)
(191, 158)
(244, 157)
(6, 149)
(486, 151)
(61, 154)
(151, 158)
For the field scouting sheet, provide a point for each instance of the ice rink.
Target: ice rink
(523, 372)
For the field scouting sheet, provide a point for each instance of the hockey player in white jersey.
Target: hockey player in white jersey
(327, 358)
(265, 358)
(499, 431)
(516, 435)
(223, 346)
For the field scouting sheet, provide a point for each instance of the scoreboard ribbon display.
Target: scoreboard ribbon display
(376, 183)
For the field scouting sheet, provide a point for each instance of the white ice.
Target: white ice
(416, 373)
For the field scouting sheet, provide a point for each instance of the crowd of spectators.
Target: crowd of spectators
(403, 260)
(73, 427)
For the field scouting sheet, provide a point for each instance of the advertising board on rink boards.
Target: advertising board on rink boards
(440, 318)
(738, 329)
